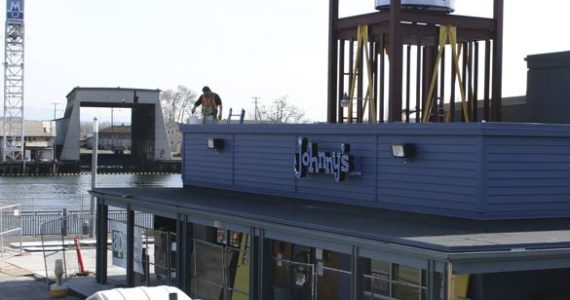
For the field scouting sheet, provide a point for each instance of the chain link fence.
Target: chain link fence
(70, 238)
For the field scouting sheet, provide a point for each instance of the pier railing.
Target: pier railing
(31, 221)
(10, 229)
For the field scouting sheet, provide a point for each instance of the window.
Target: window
(392, 281)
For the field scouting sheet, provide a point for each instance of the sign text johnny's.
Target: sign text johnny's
(308, 159)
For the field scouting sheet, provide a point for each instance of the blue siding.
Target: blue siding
(444, 174)
(530, 174)
(264, 162)
(479, 170)
(207, 166)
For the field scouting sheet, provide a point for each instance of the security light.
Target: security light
(216, 144)
(344, 102)
(16, 211)
(405, 151)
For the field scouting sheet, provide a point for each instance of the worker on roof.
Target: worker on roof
(210, 102)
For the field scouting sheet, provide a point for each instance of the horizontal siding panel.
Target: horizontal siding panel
(529, 149)
(434, 148)
(260, 157)
(526, 141)
(266, 184)
(265, 143)
(435, 180)
(277, 178)
(385, 171)
(429, 139)
(269, 165)
(434, 165)
(542, 166)
(528, 207)
(420, 187)
(435, 205)
(212, 164)
(423, 157)
(210, 173)
(263, 171)
(523, 191)
(529, 198)
(528, 158)
(327, 182)
(323, 194)
(530, 174)
(442, 197)
(255, 152)
(533, 182)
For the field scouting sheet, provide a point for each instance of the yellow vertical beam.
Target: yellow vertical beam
(361, 28)
(446, 32)
(362, 49)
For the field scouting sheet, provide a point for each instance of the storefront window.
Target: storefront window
(308, 273)
(394, 282)
(221, 265)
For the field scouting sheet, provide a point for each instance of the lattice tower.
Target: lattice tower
(13, 122)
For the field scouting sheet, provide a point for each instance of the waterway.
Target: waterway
(71, 192)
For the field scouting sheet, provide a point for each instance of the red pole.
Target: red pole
(79, 257)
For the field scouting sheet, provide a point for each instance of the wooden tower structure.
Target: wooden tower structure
(407, 56)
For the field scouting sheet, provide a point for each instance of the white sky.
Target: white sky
(245, 48)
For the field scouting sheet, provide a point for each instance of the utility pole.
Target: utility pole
(256, 112)
(54, 110)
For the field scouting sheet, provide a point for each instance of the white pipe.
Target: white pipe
(94, 173)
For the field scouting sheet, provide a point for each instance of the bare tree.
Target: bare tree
(176, 104)
(280, 111)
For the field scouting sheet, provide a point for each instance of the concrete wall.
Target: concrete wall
(113, 97)
(476, 170)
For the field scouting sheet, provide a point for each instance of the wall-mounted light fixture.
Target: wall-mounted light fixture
(405, 151)
(345, 101)
(216, 144)
(16, 211)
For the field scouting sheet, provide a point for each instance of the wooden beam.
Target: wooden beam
(396, 65)
(332, 63)
(497, 91)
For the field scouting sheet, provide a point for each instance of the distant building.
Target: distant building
(174, 138)
(39, 139)
(115, 138)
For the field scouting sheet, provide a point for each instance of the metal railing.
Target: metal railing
(30, 222)
(10, 229)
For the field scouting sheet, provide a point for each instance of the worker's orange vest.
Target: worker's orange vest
(208, 106)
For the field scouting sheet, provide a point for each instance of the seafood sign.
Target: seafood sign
(308, 159)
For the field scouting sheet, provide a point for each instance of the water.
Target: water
(58, 192)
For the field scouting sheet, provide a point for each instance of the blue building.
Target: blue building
(393, 210)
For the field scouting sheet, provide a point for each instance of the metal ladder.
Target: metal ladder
(241, 116)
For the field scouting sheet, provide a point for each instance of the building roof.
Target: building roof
(33, 128)
(443, 235)
(77, 88)
(116, 129)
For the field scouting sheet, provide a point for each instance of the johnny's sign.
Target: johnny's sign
(308, 159)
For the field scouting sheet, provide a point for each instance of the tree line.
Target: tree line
(177, 103)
